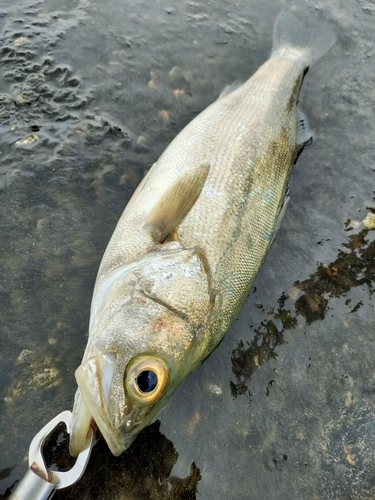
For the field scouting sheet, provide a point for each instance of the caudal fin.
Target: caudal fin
(288, 33)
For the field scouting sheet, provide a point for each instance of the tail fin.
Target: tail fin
(287, 32)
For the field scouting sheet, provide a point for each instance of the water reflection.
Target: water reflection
(353, 267)
(267, 337)
(142, 472)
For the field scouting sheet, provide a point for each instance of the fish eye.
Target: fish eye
(147, 381)
(145, 378)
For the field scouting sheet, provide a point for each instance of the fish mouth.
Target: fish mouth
(92, 402)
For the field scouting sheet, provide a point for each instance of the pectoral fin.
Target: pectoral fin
(176, 202)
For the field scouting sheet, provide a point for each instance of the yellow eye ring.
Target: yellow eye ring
(145, 378)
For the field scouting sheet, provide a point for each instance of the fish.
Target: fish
(190, 242)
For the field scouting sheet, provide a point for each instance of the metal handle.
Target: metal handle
(40, 483)
(33, 486)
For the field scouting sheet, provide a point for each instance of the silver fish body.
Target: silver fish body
(190, 243)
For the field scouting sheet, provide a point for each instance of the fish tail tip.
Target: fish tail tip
(288, 32)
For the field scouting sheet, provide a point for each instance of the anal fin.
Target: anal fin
(176, 202)
(304, 132)
(282, 210)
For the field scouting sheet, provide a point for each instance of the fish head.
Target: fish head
(149, 329)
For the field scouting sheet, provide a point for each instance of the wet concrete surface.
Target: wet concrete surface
(90, 95)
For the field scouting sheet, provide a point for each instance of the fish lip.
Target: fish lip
(81, 424)
(94, 377)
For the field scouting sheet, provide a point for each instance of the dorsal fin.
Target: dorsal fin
(176, 202)
(228, 89)
(140, 187)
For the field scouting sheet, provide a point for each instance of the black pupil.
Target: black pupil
(147, 381)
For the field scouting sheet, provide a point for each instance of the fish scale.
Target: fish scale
(244, 163)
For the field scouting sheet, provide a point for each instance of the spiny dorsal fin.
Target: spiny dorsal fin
(176, 202)
(228, 89)
(140, 187)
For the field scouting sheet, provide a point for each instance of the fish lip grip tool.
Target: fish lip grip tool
(40, 483)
